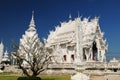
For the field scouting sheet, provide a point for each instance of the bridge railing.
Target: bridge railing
(87, 65)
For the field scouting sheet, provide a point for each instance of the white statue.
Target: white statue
(80, 76)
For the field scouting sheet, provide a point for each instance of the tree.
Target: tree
(32, 56)
(31, 60)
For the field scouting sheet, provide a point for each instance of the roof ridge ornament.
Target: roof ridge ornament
(33, 15)
(32, 22)
(70, 17)
(78, 14)
(6, 52)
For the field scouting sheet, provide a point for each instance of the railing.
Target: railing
(97, 65)
(61, 65)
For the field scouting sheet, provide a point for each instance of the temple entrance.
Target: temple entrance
(94, 50)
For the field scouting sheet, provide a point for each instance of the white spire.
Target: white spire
(6, 56)
(70, 17)
(1, 43)
(78, 14)
(6, 52)
(1, 51)
(32, 23)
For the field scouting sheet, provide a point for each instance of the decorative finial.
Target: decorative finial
(96, 18)
(32, 23)
(1, 42)
(70, 16)
(33, 15)
(33, 12)
(78, 14)
(6, 51)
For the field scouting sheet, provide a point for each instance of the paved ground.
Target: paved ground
(108, 77)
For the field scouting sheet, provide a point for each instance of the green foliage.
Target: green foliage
(29, 78)
(55, 77)
(8, 77)
(6, 73)
(42, 77)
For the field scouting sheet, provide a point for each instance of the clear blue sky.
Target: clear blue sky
(15, 16)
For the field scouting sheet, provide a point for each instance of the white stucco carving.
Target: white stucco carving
(84, 36)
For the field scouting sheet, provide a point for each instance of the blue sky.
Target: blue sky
(15, 16)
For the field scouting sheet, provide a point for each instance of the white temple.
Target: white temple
(74, 41)
(5, 57)
(28, 40)
(77, 40)
(1, 51)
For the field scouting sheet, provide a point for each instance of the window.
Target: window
(72, 57)
(64, 57)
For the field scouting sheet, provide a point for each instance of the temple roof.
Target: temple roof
(66, 32)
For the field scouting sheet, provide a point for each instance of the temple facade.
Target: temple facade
(4, 56)
(77, 40)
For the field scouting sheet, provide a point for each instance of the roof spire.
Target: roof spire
(32, 23)
(6, 52)
(78, 14)
(32, 15)
(70, 18)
